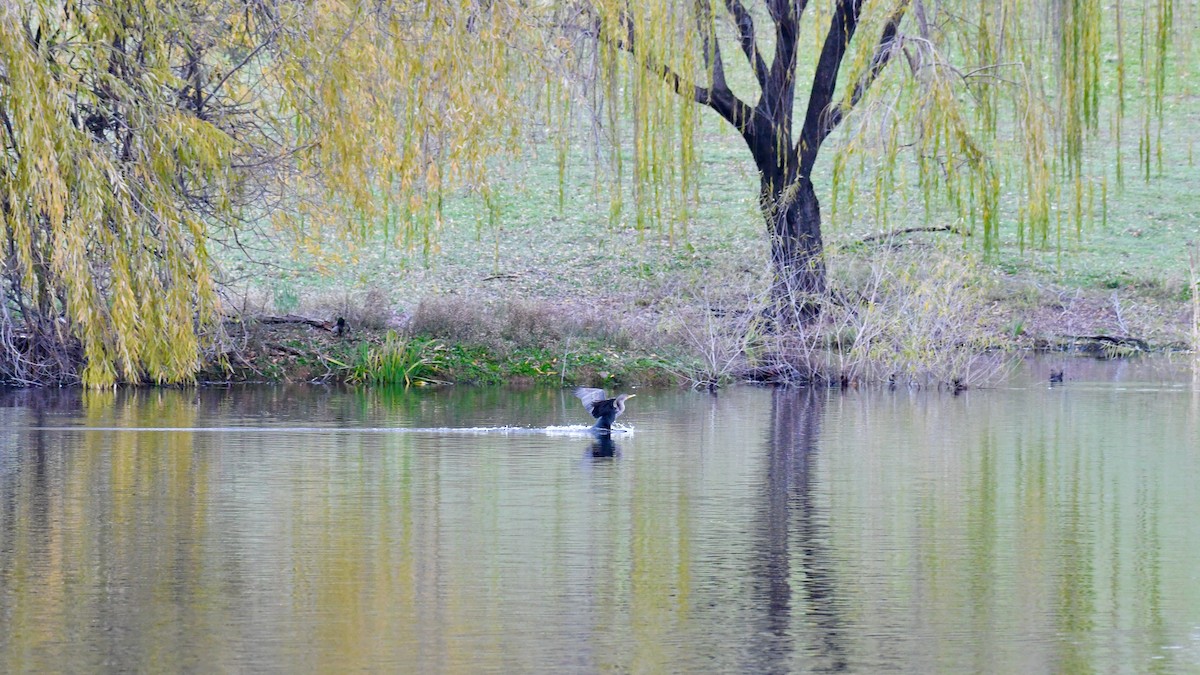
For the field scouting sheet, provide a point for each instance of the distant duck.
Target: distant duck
(604, 409)
(1056, 375)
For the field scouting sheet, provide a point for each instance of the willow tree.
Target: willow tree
(124, 141)
(986, 93)
(987, 106)
(784, 147)
(132, 133)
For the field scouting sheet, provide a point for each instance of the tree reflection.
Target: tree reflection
(794, 575)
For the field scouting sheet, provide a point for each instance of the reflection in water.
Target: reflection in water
(795, 571)
(1022, 530)
(603, 447)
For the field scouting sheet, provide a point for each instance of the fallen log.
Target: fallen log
(1100, 341)
(294, 318)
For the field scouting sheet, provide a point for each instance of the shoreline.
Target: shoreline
(305, 353)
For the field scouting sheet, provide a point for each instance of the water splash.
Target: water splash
(569, 430)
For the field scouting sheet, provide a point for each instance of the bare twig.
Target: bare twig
(1117, 310)
(1194, 279)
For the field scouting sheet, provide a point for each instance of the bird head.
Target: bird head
(622, 398)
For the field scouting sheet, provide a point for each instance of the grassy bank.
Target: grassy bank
(299, 351)
(908, 310)
(554, 291)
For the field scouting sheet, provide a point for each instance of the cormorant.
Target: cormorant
(604, 409)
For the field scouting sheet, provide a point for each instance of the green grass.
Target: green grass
(1124, 272)
(538, 251)
(593, 364)
(422, 360)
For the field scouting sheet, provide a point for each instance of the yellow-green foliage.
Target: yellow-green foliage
(1001, 100)
(394, 104)
(129, 130)
(103, 177)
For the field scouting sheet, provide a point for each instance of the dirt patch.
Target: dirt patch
(1055, 318)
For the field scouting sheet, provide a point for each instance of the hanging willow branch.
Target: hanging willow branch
(889, 44)
(718, 97)
(136, 136)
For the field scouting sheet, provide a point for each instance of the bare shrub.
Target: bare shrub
(370, 308)
(720, 336)
(911, 316)
(34, 347)
(523, 323)
(908, 316)
(455, 320)
(516, 324)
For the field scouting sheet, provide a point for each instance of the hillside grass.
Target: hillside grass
(673, 298)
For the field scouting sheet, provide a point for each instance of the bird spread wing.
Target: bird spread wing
(590, 396)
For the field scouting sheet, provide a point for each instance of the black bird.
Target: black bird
(604, 409)
(1056, 375)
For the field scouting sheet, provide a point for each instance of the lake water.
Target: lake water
(1025, 528)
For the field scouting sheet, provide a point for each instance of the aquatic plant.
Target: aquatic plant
(399, 361)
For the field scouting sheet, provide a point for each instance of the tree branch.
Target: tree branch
(889, 43)
(10, 135)
(778, 96)
(908, 230)
(779, 9)
(780, 79)
(841, 31)
(681, 86)
(709, 43)
(720, 99)
(250, 55)
(746, 38)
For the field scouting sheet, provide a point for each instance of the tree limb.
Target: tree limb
(779, 9)
(908, 230)
(841, 31)
(888, 44)
(293, 318)
(10, 135)
(709, 43)
(721, 100)
(922, 21)
(778, 95)
(746, 38)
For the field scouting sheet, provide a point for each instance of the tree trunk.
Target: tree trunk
(793, 218)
